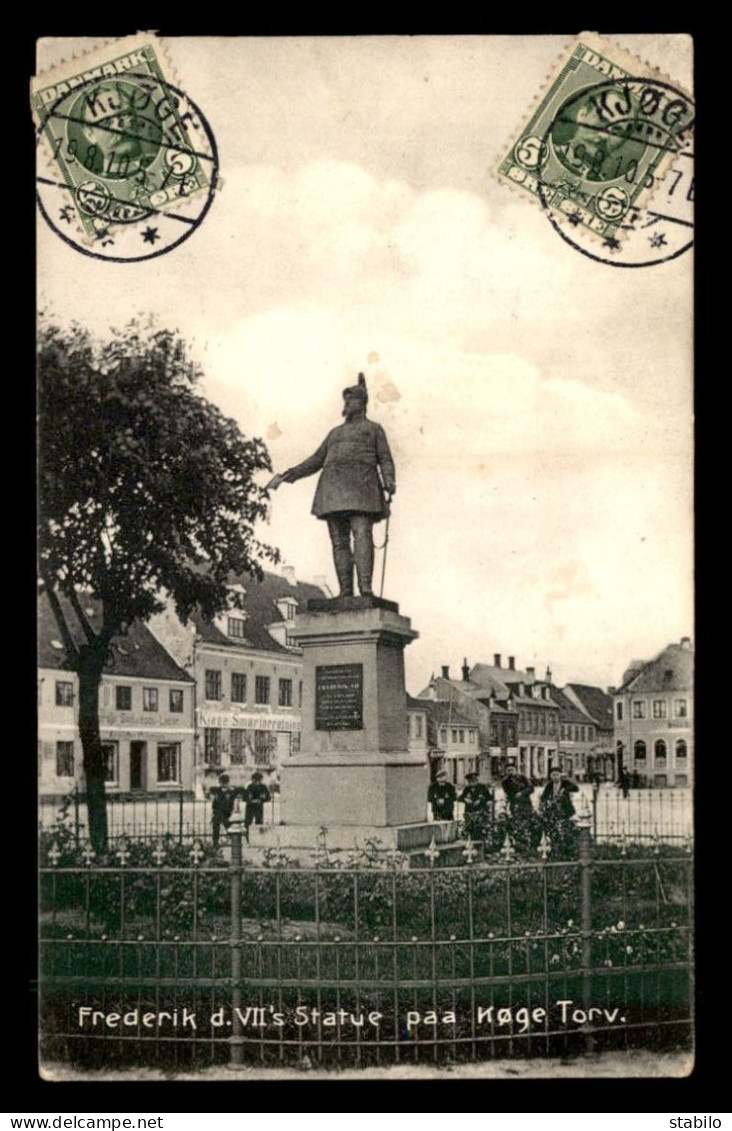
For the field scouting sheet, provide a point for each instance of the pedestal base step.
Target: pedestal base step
(402, 838)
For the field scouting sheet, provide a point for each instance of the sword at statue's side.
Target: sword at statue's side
(388, 496)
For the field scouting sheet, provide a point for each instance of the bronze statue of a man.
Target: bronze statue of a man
(354, 490)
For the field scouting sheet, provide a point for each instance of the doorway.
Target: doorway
(138, 766)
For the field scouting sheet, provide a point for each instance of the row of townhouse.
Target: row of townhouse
(520, 718)
(181, 702)
(644, 727)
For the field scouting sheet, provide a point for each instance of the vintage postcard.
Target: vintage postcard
(365, 608)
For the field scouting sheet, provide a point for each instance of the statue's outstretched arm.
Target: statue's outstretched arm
(302, 470)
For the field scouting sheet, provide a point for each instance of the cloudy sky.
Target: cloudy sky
(538, 404)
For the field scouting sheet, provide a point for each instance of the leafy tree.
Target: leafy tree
(145, 489)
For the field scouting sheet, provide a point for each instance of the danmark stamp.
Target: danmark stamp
(121, 147)
(600, 141)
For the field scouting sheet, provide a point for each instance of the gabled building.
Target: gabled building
(146, 703)
(654, 712)
(598, 706)
(578, 745)
(452, 739)
(248, 675)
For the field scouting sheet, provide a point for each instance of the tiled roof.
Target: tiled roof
(671, 670)
(442, 711)
(137, 653)
(568, 711)
(260, 607)
(494, 706)
(487, 675)
(596, 702)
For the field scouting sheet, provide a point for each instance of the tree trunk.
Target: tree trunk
(90, 669)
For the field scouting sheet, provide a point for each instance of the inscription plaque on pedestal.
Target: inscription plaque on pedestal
(339, 697)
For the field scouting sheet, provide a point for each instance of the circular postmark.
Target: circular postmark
(616, 179)
(127, 166)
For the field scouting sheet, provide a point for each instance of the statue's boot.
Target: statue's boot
(340, 536)
(363, 551)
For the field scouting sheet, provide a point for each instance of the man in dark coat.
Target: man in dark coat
(255, 796)
(523, 826)
(478, 801)
(556, 810)
(441, 797)
(222, 806)
(354, 490)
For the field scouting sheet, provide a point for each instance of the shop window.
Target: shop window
(639, 750)
(169, 762)
(64, 759)
(261, 689)
(285, 693)
(264, 745)
(123, 698)
(175, 701)
(681, 751)
(659, 751)
(212, 684)
(64, 693)
(212, 746)
(149, 698)
(238, 687)
(239, 745)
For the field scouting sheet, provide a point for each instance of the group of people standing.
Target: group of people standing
(525, 825)
(223, 800)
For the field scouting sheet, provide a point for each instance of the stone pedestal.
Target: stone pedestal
(354, 770)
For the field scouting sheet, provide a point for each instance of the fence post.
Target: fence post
(180, 816)
(585, 860)
(76, 815)
(236, 1041)
(595, 796)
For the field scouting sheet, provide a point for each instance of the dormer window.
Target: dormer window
(235, 626)
(287, 607)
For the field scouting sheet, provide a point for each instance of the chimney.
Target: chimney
(686, 643)
(512, 663)
(496, 659)
(531, 673)
(445, 671)
(466, 671)
(548, 676)
(611, 690)
(322, 583)
(288, 572)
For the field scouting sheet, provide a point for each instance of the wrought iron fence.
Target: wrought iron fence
(171, 955)
(645, 816)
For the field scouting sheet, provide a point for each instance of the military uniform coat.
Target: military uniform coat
(349, 459)
(441, 796)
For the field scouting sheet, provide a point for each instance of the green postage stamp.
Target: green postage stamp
(119, 144)
(601, 138)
